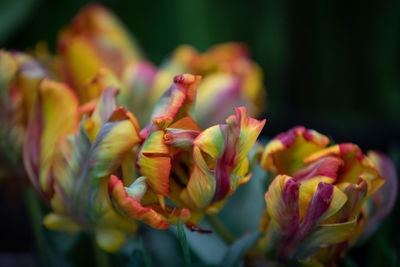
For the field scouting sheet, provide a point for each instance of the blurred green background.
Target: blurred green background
(333, 66)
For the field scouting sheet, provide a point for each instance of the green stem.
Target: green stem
(32, 204)
(100, 256)
(220, 228)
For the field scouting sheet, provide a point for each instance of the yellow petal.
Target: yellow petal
(58, 222)
(109, 239)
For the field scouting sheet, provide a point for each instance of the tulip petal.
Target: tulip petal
(355, 164)
(200, 189)
(115, 139)
(58, 222)
(220, 162)
(55, 115)
(134, 208)
(379, 205)
(217, 94)
(212, 141)
(282, 203)
(80, 164)
(177, 101)
(249, 129)
(94, 39)
(8, 68)
(27, 80)
(77, 71)
(241, 134)
(326, 201)
(326, 235)
(356, 194)
(104, 109)
(135, 95)
(186, 123)
(110, 240)
(386, 195)
(326, 167)
(285, 153)
(153, 162)
(180, 138)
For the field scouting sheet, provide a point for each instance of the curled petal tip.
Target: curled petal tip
(186, 79)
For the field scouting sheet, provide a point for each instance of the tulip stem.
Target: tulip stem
(220, 229)
(32, 204)
(100, 256)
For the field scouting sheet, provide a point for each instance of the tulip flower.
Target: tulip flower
(74, 165)
(20, 76)
(66, 160)
(220, 163)
(81, 168)
(314, 202)
(69, 162)
(94, 39)
(230, 79)
(195, 169)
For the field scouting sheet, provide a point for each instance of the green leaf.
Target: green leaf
(210, 248)
(184, 245)
(235, 253)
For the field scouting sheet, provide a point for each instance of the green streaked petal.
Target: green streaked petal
(285, 153)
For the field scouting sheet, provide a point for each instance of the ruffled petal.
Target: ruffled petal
(80, 166)
(249, 129)
(177, 101)
(326, 201)
(285, 153)
(325, 167)
(151, 215)
(355, 165)
(105, 106)
(93, 89)
(282, 199)
(217, 94)
(20, 76)
(385, 197)
(327, 235)
(153, 161)
(55, 115)
(220, 162)
(212, 141)
(94, 39)
(242, 132)
(308, 188)
(115, 139)
(379, 205)
(138, 79)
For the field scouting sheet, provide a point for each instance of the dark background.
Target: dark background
(333, 66)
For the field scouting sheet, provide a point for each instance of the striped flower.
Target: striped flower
(196, 169)
(94, 39)
(20, 78)
(315, 201)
